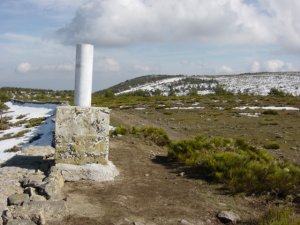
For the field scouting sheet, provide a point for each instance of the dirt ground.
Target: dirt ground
(152, 190)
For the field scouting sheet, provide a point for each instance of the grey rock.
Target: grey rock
(50, 190)
(39, 212)
(228, 217)
(30, 191)
(17, 199)
(138, 223)
(184, 222)
(95, 172)
(20, 222)
(37, 198)
(51, 186)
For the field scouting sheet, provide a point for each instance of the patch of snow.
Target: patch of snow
(161, 85)
(268, 108)
(250, 114)
(30, 110)
(186, 108)
(140, 108)
(257, 84)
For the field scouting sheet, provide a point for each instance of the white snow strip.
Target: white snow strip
(30, 110)
(186, 108)
(268, 108)
(152, 86)
(250, 114)
(140, 108)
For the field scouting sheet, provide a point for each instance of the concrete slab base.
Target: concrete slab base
(94, 172)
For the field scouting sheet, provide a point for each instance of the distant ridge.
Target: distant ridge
(180, 85)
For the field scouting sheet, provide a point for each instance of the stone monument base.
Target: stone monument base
(81, 135)
(95, 172)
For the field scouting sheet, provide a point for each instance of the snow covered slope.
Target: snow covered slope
(24, 111)
(258, 84)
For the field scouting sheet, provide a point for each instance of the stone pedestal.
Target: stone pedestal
(82, 135)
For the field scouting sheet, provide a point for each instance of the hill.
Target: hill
(250, 83)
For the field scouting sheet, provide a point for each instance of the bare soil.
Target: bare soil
(153, 190)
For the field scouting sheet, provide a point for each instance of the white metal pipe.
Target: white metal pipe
(83, 75)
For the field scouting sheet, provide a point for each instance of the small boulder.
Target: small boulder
(17, 199)
(184, 222)
(228, 217)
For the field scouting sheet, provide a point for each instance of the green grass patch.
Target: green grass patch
(271, 145)
(280, 216)
(239, 166)
(11, 135)
(119, 131)
(19, 123)
(157, 135)
(14, 149)
(20, 116)
(35, 122)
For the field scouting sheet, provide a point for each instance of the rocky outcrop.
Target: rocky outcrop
(29, 195)
(228, 217)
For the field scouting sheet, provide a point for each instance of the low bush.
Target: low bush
(270, 112)
(239, 166)
(278, 93)
(279, 216)
(157, 135)
(271, 146)
(119, 131)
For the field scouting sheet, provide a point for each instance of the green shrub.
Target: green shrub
(35, 122)
(20, 116)
(20, 122)
(239, 166)
(157, 135)
(280, 216)
(220, 90)
(278, 93)
(14, 149)
(270, 112)
(119, 131)
(271, 146)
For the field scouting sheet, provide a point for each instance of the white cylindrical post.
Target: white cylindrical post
(83, 75)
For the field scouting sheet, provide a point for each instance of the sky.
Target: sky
(139, 37)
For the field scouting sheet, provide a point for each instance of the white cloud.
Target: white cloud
(142, 68)
(274, 65)
(58, 67)
(107, 64)
(24, 67)
(123, 22)
(283, 21)
(255, 67)
(27, 67)
(226, 70)
(278, 66)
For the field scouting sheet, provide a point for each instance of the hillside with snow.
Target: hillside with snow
(257, 84)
